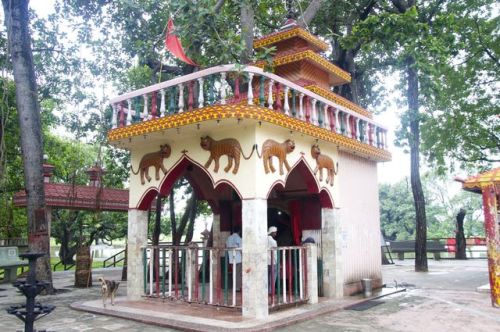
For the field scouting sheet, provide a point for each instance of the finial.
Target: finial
(290, 17)
(289, 10)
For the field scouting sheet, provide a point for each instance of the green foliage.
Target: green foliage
(397, 213)
(456, 57)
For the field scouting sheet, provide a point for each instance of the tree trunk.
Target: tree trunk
(17, 21)
(157, 226)
(247, 25)
(183, 223)
(416, 184)
(460, 236)
(192, 218)
(83, 268)
(66, 252)
(173, 221)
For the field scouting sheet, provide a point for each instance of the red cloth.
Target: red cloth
(173, 44)
(295, 221)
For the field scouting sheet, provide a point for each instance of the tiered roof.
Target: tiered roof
(298, 60)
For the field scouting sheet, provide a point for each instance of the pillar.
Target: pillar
(215, 258)
(137, 238)
(333, 280)
(312, 272)
(254, 260)
(492, 241)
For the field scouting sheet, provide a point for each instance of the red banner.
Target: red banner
(173, 44)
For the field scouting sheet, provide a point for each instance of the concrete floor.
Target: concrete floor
(444, 299)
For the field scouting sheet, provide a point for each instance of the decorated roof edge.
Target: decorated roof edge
(298, 31)
(313, 57)
(339, 100)
(482, 180)
(217, 112)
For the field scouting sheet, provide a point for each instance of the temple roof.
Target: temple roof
(477, 182)
(296, 32)
(67, 196)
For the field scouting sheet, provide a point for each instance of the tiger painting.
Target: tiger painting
(229, 147)
(323, 161)
(271, 148)
(154, 159)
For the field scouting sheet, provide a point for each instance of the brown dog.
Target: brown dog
(108, 290)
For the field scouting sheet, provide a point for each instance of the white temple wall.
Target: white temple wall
(359, 215)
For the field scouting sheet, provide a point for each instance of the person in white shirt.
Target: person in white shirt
(271, 259)
(234, 241)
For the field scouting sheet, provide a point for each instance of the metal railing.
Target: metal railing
(114, 259)
(190, 273)
(226, 85)
(65, 266)
(209, 275)
(291, 279)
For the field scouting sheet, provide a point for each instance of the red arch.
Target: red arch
(201, 181)
(312, 185)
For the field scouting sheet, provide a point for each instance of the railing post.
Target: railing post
(200, 93)
(278, 97)
(153, 105)
(129, 112)
(122, 116)
(162, 103)
(270, 95)
(145, 109)
(308, 105)
(223, 85)
(337, 123)
(261, 90)
(190, 95)
(314, 112)
(250, 89)
(163, 271)
(171, 106)
(327, 118)
(294, 104)
(237, 89)
(283, 269)
(348, 126)
(181, 98)
(114, 116)
(301, 106)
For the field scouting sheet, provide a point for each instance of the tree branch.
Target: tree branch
(486, 49)
(310, 12)
(218, 6)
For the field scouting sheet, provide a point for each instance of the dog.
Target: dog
(108, 290)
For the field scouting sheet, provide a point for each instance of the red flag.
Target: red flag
(173, 44)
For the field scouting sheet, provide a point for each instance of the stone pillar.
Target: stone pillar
(137, 238)
(254, 260)
(312, 272)
(333, 280)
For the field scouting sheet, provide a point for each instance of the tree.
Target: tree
(397, 213)
(421, 40)
(19, 41)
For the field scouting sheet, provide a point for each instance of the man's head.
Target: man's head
(237, 229)
(273, 231)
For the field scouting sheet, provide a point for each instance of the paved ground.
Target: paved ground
(444, 299)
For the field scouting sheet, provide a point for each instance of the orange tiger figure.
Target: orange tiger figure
(228, 146)
(323, 161)
(154, 159)
(271, 148)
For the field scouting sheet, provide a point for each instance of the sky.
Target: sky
(388, 172)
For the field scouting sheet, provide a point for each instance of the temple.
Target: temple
(263, 149)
